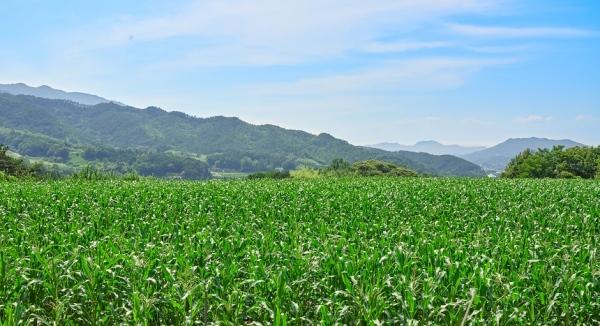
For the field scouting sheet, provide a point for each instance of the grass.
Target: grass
(362, 250)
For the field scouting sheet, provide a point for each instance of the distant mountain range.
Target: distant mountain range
(73, 134)
(51, 93)
(428, 146)
(42, 121)
(497, 158)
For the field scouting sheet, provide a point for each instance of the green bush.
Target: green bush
(5, 177)
(576, 162)
(270, 175)
(89, 173)
(369, 168)
(305, 173)
(14, 167)
(380, 168)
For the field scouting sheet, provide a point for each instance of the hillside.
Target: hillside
(51, 93)
(224, 143)
(497, 157)
(430, 147)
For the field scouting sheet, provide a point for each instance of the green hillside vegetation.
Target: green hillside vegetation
(496, 158)
(576, 162)
(378, 168)
(11, 168)
(341, 168)
(368, 168)
(63, 130)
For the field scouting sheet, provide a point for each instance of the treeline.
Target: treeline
(576, 162)
(341, 168)
(251, 162)
(11, 167)
(36, 146)
(148, 163)
(368, 168)
(107, 163)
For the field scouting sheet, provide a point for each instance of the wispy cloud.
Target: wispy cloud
(274, 31)
(390, 47)
(402, 75)
(586, 118)
(534, 119)
(518, 32)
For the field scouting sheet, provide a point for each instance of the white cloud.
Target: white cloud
(518, 32)
(275, 31)
(534, 119)
(583, 117)
(402, 75)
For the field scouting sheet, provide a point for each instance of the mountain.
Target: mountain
(497, 158)
(51, 93)
(428, 146)
(43, 128)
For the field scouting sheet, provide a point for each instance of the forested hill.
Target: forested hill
(31, 125)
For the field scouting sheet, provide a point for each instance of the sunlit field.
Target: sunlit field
(440, 251)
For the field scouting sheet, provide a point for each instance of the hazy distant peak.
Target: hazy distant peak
(428, 146)
(428, 142)
(497, 157)
(48, 92)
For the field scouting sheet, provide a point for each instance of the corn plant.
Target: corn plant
(296, 252)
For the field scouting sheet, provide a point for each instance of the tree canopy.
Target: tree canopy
(10, 166)
(368, 168)
(576, 162)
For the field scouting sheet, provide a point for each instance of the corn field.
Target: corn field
(299, 252)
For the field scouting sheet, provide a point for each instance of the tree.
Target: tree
(16, 167)
(576, 162)
(339, 164)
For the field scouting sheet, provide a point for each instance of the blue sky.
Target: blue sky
(458, 71)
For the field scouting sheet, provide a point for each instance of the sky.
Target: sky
(471, 72)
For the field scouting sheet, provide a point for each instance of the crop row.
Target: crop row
(382, 250)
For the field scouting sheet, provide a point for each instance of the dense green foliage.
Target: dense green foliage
(576, 162)
(13, 167)
(496, 158)
(148, 163)
(442, 251)
(378, 168)
(115, 162)
(227, 144)
(368, 168)
(270, 175)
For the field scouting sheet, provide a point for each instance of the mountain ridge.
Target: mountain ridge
(428, 146)
(497, 157)
(225, 143)
(48, 92)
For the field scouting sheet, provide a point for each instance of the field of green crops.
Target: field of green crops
(373, 251)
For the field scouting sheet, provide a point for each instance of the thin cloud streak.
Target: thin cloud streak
(282, 32)
(519, 32)
(407, 75)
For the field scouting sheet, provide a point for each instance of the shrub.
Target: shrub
(270, 175)
(5, 177)
(305, 173)
(380, 168)
(90, 173)
(576, 162)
